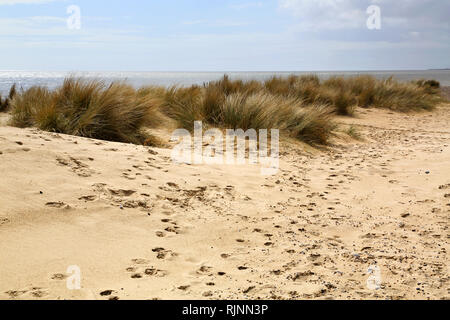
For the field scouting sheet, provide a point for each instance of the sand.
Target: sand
(141, 227)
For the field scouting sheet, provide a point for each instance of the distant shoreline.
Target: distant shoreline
(224, 71)
(52, 79)
(446, 92)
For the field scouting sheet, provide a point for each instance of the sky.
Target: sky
(234, 35)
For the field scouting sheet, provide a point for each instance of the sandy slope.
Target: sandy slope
(204, 232)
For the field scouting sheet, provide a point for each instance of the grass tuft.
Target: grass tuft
(5, 103)
(354, 133)
(85, 108)
(313, 125)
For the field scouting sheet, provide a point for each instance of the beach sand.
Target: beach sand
(141, 227)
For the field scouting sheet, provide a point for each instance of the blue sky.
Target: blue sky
(212, 35)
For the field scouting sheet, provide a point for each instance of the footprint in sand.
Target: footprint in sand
(183, 288)
(173, 185)
(162, 253)
(207, 294)
(12, 151)
(173, 228)
(15, 294)
(121, 192)
(59, 276)
(106, 293)
(142, 267)
(110, 294)
(4, 220)
(160, 234)
(87, 198)
(136, 204)
(205, 270)
(35, 292)
(57, 205)
(127, 176)
(78, 167)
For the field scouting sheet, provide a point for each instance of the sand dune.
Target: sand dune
(142, 227)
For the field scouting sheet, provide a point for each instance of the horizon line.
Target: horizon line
(230, 71)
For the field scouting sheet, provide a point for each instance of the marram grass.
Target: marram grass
(86, 108)
(302, 107)
(6, 102)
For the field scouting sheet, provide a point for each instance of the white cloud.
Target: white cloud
(348, 14)
(325, 14)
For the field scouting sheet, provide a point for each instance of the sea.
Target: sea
(27, 79)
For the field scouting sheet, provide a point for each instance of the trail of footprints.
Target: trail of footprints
(297, 236)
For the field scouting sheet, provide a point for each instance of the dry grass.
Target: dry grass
(86, 108)
(299, 106)
(6, 102)
(240, 106)
(345, 94)
(313, 125)
(182, 105)
(354, 133)
(404, 97)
